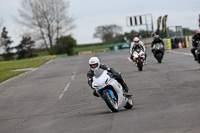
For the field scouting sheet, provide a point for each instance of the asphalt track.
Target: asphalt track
(55, 98)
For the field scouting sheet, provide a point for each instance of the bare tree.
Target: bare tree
(1, 23)
(1, 29)
(107, 33)
(46, 20)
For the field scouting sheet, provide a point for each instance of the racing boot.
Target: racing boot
(193, 52)
(134, 63)
(145, 62)
(125, 87)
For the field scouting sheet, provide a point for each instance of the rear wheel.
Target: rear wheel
(140, 65)
(111, 103)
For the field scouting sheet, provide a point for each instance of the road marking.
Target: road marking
(61, 95)
(67, 86)
(129, 59)
(72, 78)
(35, 69)
(49, 61)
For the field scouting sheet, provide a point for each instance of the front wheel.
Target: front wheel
(159, 57)
(198, 58)
(140, 64)
(111, 103)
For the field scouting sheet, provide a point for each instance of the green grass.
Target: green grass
(6, 67)
(92, 48)
(42, 53)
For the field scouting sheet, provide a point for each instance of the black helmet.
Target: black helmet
(157, 37)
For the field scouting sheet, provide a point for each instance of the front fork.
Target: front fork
(111, 93)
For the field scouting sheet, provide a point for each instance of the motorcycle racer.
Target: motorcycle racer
(137, 44)
(157, 39)
(94, 64)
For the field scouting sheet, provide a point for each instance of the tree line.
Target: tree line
(25, 49)
(113, 34)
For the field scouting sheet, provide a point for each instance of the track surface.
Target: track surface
(56, 98)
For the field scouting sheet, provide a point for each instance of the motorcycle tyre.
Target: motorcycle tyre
(140, 65)
(159, 57)
(108, 101)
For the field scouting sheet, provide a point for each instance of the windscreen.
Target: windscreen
(158, 45)
(98, 72)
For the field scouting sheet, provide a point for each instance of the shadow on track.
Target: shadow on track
(105, 112)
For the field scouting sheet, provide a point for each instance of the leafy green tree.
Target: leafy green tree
(164, 35)
(129, 36)
(119, 38)
(107, 33)
(5, 42)
(188, 32)
(25, 48)
(65, 44)
(144, 33)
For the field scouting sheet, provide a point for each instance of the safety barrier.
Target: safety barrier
(176, 43)
(120, 46)
(92, 51)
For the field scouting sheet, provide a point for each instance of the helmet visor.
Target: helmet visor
(93, 65)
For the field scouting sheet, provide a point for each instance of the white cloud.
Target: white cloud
(92, 13)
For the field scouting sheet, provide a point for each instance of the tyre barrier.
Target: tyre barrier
(92, 51)
(176, 43)
(119, 46)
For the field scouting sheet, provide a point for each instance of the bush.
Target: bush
(65, 45)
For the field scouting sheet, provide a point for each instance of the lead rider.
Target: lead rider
(94, 64)
(137, 44)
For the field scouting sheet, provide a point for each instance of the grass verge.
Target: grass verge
(6, 67)
(92, 47)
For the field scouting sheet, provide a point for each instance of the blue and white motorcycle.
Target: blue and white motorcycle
(111, 91)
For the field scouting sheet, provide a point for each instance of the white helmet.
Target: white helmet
(136, 39)
(94, 63)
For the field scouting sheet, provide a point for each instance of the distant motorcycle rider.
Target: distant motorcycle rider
(157, 39)
(94, 64)
(135, 45)
(195, 40)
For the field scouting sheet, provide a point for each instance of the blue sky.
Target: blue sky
(89, 14)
